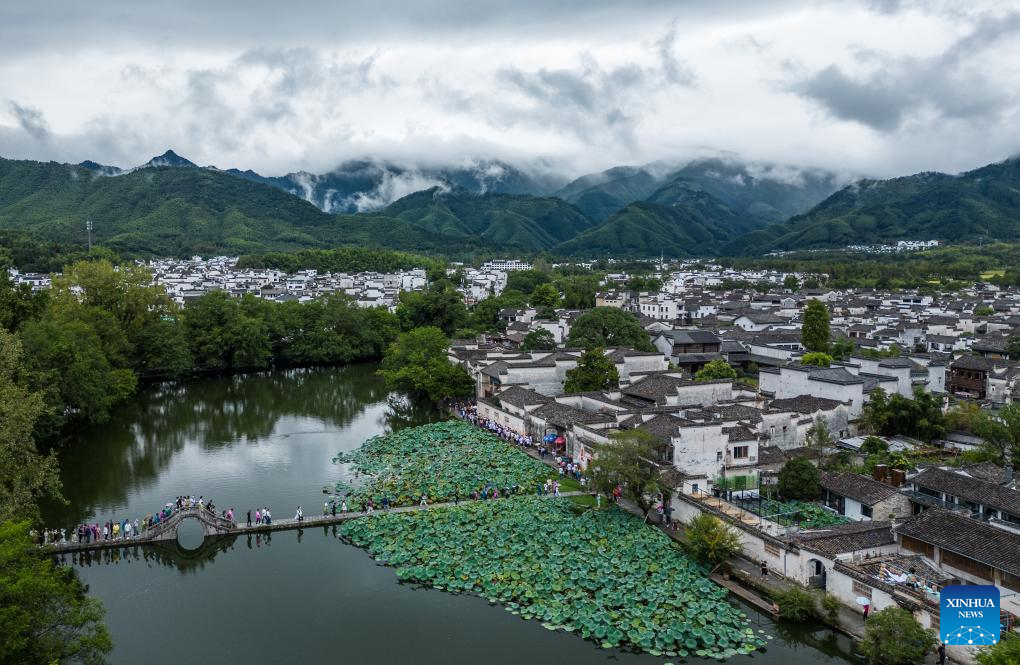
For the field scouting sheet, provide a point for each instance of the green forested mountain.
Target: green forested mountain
(183, 211)
(979, 204)
(505, 220)
(599, 195)
(698, 227)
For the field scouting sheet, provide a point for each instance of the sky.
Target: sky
(880, 88)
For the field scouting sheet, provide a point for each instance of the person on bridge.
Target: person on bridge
(325, 508)
(299, 516)
(332, 507)
(258, 516)
(424, 500)
(249, 517)
(386, 503)
(343, 505)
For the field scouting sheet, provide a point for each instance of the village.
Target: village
(896, 516)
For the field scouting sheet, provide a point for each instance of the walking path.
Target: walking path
(154, 535)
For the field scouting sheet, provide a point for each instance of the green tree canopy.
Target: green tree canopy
(45, 614)
(545, 295)
(874, 445)
(715, 369)
(799, 479)
(1001, 431)
(417, 363)
(711, 540)
(539, 339)
(893, 637)
(791, 283)
(440, 305)
(594, 371)
(526, 281)
(816, 359)
(814, 334)
(25, 475)
(578, 290)
(921, 417)
(1006, 652)
(627, 461)
(609, 326)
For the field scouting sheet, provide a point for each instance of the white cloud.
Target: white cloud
(885, 88)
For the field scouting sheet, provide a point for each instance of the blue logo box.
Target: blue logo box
(969, 615)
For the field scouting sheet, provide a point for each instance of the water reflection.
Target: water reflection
(264, 419)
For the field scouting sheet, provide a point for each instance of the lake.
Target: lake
(296, 596)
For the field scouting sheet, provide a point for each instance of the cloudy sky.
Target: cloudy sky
(881, 88)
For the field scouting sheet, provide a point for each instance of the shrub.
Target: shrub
(796, 605)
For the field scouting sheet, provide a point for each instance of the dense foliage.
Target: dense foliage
(893, 637)
(627, 462)
(609, 326)
(539, 339)
(89, 339)
(711, 540)
(1006, 652)
(45, 615)
(441, 461)
(715, 370)
(921, 417)
(417, 363)
(814, 334)
(799, 479)
(601, 574)
(26, 476)
(439, 305)
(796, 604)
(807, 515)
(594, 371)
(340, 259)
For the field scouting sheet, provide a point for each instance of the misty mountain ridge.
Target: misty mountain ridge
(703, 208)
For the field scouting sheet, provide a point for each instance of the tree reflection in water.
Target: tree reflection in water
(101, 465)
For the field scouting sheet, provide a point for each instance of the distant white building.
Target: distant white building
(506, 265)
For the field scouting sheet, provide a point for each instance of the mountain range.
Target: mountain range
(171, 206)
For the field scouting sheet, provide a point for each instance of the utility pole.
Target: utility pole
(88, 227)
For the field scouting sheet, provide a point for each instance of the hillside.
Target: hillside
(770, 192)
(183, 211)
(504, 220)
(979, 204)
(699, 227)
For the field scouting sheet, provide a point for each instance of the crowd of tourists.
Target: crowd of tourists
(468, 412)
(126, 529)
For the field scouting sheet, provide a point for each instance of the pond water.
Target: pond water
(294, 596)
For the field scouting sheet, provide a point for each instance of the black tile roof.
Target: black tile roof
(805, 404)
(964, 487)
(857, 487)
(842, 538)
(968, 537)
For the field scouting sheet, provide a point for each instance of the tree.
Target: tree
(1006, 652)
(791, 283)
(643, 283)
(226, 333)
(816, 359)
(25, 475)
(594, 371)
(440, 305)
(873, 445)
(842, 348)
(609, 326)
(627, 461)
(417, 362)
(539, 339)
(1001, 431)
(578, 291)
(796, 604)
(921, 417)
(814, 335)
(545, 295)
(45, 614)
(526, 281)
(893, 637)
(714, 370)
(711, 540)
(1013, 347)
(798, 479)
(818, 437)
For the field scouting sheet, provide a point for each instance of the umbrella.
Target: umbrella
(559, 440)
(861, 600)
(549, 438)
